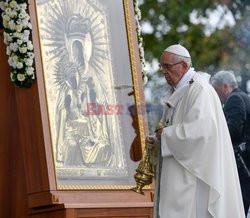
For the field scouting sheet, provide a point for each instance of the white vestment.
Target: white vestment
(198, 175)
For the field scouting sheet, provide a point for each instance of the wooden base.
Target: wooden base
(95, 203)
(13, 193)
(58, 212)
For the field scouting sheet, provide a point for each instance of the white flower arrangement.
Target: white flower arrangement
(19, 47)
(17, 26)
(140, 40)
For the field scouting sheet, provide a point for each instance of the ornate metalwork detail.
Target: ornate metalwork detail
(144, 174)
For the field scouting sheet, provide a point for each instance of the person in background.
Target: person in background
(236, 107)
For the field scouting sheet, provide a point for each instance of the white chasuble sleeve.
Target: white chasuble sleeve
(199, 140)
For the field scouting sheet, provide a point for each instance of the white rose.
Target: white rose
(6, 17)
(145, 79)
(20, 77)
(19, 65)
(19, 28)
(2, 6)
(143, 61)
(29, 62)
(139, 14)
(26, 32)
(22, 14)
(30, 55)
(23, 50)
(6, 24)
(8, 51)
(8, 37)
(13, 46)
(139, 29)
(142, 51)
(23, 6)
(25, 38)
(8, 11)
(15, 58)
(12, 77)
(5, 40)
(14, 65)
(29, 46)
(17, 8)
(25, 18)
(29, 70)
(19, 42)
(16, 35)
(25, 23)
(19, 21)
(29, 25)
(21, 37)
(10, 61)
(13, 14)
(13, 4)
(12, 25)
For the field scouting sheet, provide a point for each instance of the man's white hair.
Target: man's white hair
(184, 59)
(224, 77)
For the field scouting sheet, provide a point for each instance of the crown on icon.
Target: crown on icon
(77, 26)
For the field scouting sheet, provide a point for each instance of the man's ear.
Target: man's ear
(185, 65)
(226, 88)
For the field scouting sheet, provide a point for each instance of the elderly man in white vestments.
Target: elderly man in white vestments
(196, 175)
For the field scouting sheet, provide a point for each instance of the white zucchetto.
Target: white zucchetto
(178, 50)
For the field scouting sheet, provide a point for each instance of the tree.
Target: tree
(222, 45)
(186, 22)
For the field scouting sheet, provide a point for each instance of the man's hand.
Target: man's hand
(158, 134)
(149, 141)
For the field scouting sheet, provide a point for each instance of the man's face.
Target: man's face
(223, 90)
(171, 68)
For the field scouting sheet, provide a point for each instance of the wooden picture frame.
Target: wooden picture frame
(88, 64)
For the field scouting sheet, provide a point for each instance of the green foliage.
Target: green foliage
(171, 24)
(225, 48)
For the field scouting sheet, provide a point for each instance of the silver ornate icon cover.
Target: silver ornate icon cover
(77, 61)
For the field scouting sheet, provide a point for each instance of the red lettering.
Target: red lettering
(100, 110)
(110, 109)
(119, 108)
(90, 108)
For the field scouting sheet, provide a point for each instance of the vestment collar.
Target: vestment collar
(174, 95)
(186, 78)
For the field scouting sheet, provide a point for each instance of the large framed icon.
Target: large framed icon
(93, 86)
